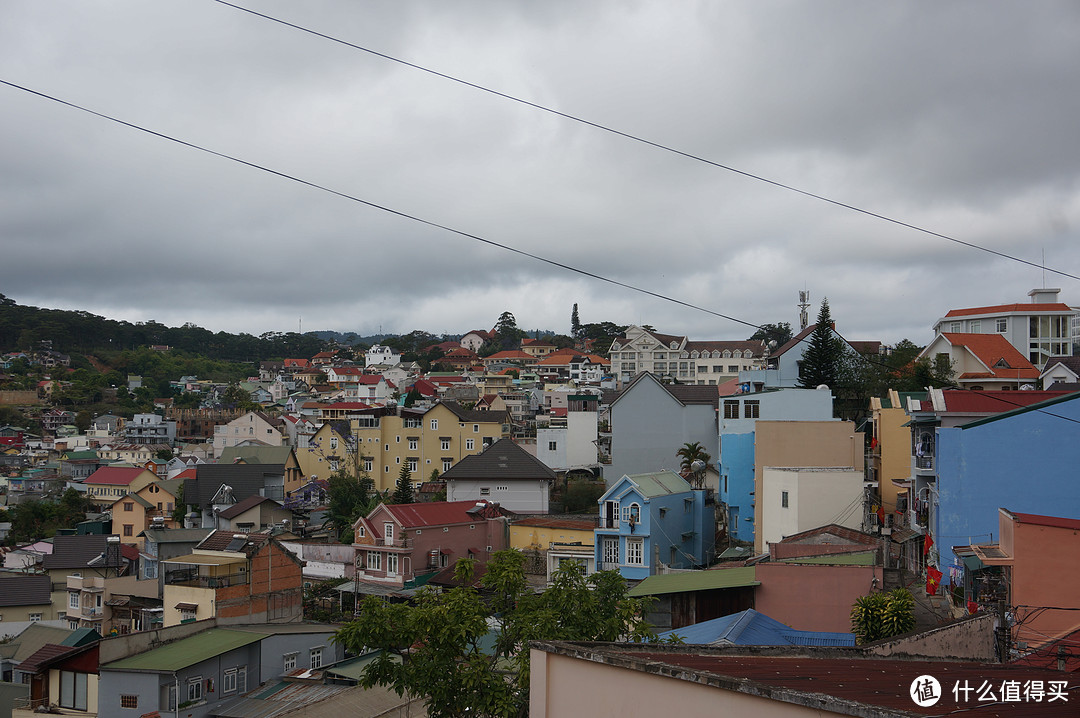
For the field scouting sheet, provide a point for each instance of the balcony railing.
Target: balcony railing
(189, 577)
(399, 542)
(925, 463)
(603, 522)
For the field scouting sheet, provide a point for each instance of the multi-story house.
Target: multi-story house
(253, 428)
(216, 487)
(651, 519)
(379, 355)
(396, 543)
(75, 558)
(737, 457)
(982, 362)
(150, 429)
(109, 483)
(917, 503)
(127, 453)
(27, 597)
(236, 578)
(537, 347)
(270, 455)
(1024, 459)
(557, 539)
(689, 362)
(570, 441)
(424, 440)
(651, 421)
(150, 506)
(504, 473)
(1039, 329)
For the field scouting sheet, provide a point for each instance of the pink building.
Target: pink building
(1035, 569)
(395, 543)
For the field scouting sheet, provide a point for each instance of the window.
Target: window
(412, 423)
(635, 552)
(316, 657)
(784, 499)
(751, 409)
(975, 327)
(388, 533)
(470, 444)
(228, 682)
(485, 491)
(397, 439)
(360, 532)
(73, 690)
(631, 513)
(333, 442)
(73, 600)
(413, 464)
(241, 679)
(194, 689)
(446, 464)
(476, 428)
(35, 617)
(374, 561)
(187, 614)
(434, 424)
(444, 444)
(129, 529)
(290, 662)
(129, 506)
(397, 459)
(391, 564)
(955, 327)
(731, 409)
(368, 465)
(553, 445)
(733, 368)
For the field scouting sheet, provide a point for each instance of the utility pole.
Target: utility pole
(1003, 637)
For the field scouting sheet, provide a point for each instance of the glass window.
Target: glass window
(73, 690)
(784, 499)
(391, 564)
(374, 561)
(470, 444)
(751, 409)
(194, 689)
(434, 424)
(635, 552)
(290, 662)
(445, 445)
(228, 682)
(316, 657)
(731, 409)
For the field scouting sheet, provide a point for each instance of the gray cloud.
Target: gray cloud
(958, 118)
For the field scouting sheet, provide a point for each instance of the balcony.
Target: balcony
(399, 542)
(924, 463)
(192, 578)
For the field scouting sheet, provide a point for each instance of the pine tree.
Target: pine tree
(822, 362)
(575, 323)
(403, 493)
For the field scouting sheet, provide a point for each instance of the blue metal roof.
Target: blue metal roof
(751, 628)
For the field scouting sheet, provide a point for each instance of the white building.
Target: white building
(796, 499)
(1039, 329)
(690, 362)
(569, 442)
(379, 355)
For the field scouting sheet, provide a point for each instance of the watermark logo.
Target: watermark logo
(925, 691)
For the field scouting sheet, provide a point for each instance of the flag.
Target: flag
(928, 541)
(881, 515)
(933, 580)
(873, 443)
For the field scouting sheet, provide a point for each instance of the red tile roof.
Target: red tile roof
(990, 402)
(509, 354)
(435, 513)
(1006, 308)
(115, 475)
(992, 350)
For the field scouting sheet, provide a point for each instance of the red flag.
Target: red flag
(873, 443)
(933, 580)
(928, 541)
(881, 515)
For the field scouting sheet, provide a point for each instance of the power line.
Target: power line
(650, 143)
(375, 205)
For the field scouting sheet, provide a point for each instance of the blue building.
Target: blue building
(738, 417)
(1025, 459)
(649, 519)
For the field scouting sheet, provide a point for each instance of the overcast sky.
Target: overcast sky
(961, 118)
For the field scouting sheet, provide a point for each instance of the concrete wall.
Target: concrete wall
(19, 397)
(969, 639)
(116, 647)
(565, 687)
(737, 483)
(274, 647)
(518, 495)
(815, 497)
(1045, 572)
(812, 598)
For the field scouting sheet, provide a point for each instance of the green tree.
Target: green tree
(882, 615)
(181, 508)
(689, 453)
(575, 323)
(780, 333)
(403, 493)
(822, 362)
(432, 649)
(349, 497)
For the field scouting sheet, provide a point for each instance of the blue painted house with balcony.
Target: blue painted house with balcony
(652, 519)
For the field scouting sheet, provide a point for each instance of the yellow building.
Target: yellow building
(109, 483)
(889, 462)
(424, 440)
(326, 452)
(134, 512)
(540, 532)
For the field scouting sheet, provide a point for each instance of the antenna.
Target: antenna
(804, 303)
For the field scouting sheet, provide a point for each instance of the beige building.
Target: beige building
(796, 444)
(424, 440)
(796, 499)
(890, 449)
(152, 505)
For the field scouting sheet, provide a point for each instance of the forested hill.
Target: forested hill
(75, 332)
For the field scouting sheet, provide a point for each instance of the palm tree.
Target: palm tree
(688, 454)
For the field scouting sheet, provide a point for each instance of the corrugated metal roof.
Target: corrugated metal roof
(697, 581)
(858, 558)
(187, 651)
(659, 483)
(751, 628)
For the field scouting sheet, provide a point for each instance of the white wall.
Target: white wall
(816, 497)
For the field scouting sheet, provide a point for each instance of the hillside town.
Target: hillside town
(774, 514)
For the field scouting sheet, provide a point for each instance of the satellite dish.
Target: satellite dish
(822, 387)
(697, 466)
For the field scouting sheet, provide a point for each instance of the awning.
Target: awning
(198, 559)
(186, 606)
(904, 535)
(972, 563)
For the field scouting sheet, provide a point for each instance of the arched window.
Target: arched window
(727, 353)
